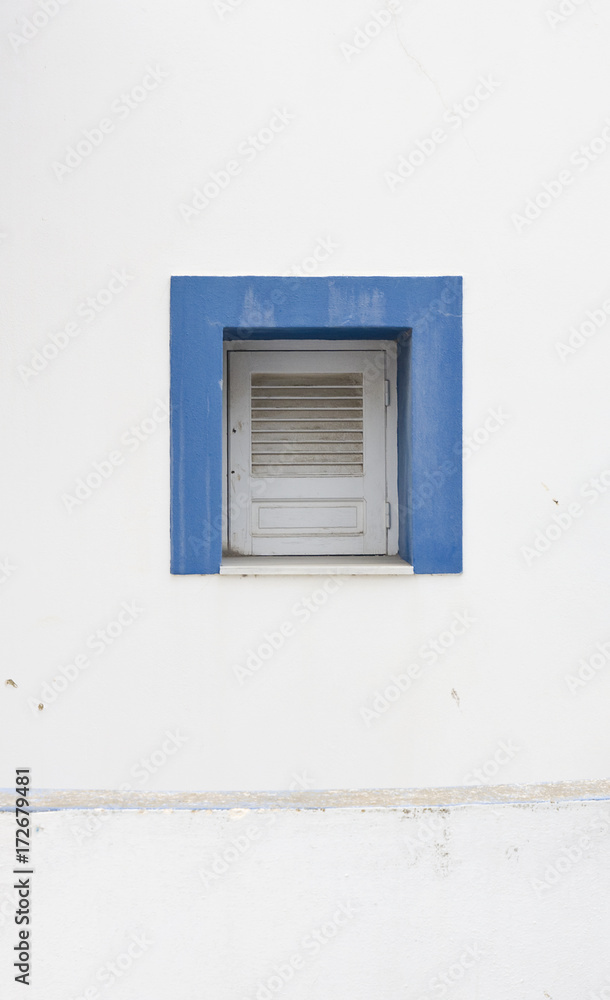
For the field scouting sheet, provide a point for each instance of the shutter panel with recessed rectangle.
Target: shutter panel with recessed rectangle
(306, 452)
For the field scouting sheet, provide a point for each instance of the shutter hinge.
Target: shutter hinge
(388, 519)
(387, 392)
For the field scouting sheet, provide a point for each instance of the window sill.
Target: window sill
(315, 566)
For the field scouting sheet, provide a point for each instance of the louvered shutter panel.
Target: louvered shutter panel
(307, 425)
(306, 452)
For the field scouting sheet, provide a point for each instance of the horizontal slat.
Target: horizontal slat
(307, 425)
(301, 458)
(306, 404)
(284, 415)
(313, 392)
(268, 471)
(315, 448)
(315, 378)
(306, 437)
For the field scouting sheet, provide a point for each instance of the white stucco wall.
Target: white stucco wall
(498, 899)
(497, 701)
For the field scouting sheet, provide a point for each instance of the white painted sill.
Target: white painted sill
(314, 566)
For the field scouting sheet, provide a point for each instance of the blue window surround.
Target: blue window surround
(424, 316)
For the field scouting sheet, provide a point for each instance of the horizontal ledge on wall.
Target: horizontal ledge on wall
(315, 566)
(380, 798)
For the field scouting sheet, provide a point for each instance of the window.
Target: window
(369, 472)
(311, 448)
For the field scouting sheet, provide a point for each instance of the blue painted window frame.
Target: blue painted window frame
(424, 316)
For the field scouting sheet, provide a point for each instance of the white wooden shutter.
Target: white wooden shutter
(307, 452)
